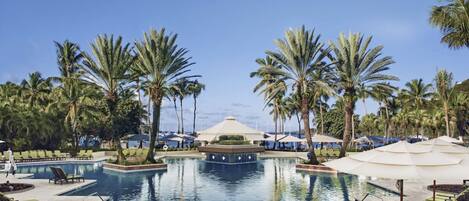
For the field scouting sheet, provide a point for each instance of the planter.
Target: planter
(315, 168)
(134, 168)
(9, 188)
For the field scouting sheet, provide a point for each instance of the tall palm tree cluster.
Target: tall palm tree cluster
(307, 71)
(98, 92)
(419, 108)
(303, 73)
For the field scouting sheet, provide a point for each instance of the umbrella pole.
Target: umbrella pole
(401, 189)
(434, 188)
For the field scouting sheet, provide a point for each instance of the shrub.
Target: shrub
(233, 142)
(230, 137)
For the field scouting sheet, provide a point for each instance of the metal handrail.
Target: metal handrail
(368, 195)
(96, 194)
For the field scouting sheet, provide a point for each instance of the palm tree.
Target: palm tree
(76, 97)
(195, 88)
(183, 91)
(161, 62)
(294, 109)
(35, 88)
(382, 93)
(173, 93)
(460, 103)
(69, 58)
(444, 92)
(109, 71)
(357, 65)
(299, 54)
(416, 94)
(453, 21)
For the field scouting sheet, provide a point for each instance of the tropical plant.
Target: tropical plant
(35, 88)
(109, 71)
(357, 65)
(299, 54)
(162, 63)
(453, 21)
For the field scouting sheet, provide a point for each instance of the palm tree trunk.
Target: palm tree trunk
(182, 115)
(275, 138)
(445, 107)
(177, 115)
(364, 106)
(353, 131)
(195, 109)
(386, 124)
(322, 118)
(299, 124)
(305, 116)
(155, 129)
(348, 125)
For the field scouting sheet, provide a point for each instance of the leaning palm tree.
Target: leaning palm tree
(453, 21)
(195, 88)
(35, 88)
(108, 69)
(444, 92)
(162, 63)
(183, 92)
(382, 93)
(357, 65)
(299, 54)
(172, 95)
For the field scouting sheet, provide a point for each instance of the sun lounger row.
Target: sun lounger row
(85, 154)
(34, 155)
(135, 152)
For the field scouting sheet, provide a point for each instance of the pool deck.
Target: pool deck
(45, 191)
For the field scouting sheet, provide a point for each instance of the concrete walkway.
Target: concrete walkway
(45, 191)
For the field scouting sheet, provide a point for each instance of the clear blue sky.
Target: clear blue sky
(224, 38)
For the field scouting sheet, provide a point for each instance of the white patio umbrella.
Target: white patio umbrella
(271, 137)
(325, 138)
(290, 138)
(1, 141)
(443, 146)
(449, 139)
(401, 161)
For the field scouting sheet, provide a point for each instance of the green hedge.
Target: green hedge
(230, 137)
(233, 142)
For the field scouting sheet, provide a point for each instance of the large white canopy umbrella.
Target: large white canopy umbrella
(271, 137)
(290, 138)
(401, 161)
(230, 126)
(325, 138)
(449, 139)
(443, 146)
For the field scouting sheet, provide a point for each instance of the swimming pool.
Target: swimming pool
(194, 179)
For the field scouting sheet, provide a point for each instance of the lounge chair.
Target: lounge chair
(59, 155)
(61, 176)
(139, 152)
(89, 153)
(25, 155)
(125, 152)
(132, 152)
(81, 154)
(17, 156)
(50, 155)
(42, 155)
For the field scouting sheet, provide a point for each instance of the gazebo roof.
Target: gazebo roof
(230, 126)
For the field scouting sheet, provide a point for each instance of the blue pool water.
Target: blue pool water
(193, 179)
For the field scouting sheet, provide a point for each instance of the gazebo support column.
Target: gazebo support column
(401, 188)
(434, 189)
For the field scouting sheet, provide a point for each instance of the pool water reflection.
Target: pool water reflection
(193, 179)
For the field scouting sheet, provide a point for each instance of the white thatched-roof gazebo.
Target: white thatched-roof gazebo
(229, 126)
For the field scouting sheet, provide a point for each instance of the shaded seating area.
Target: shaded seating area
(61, 177)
